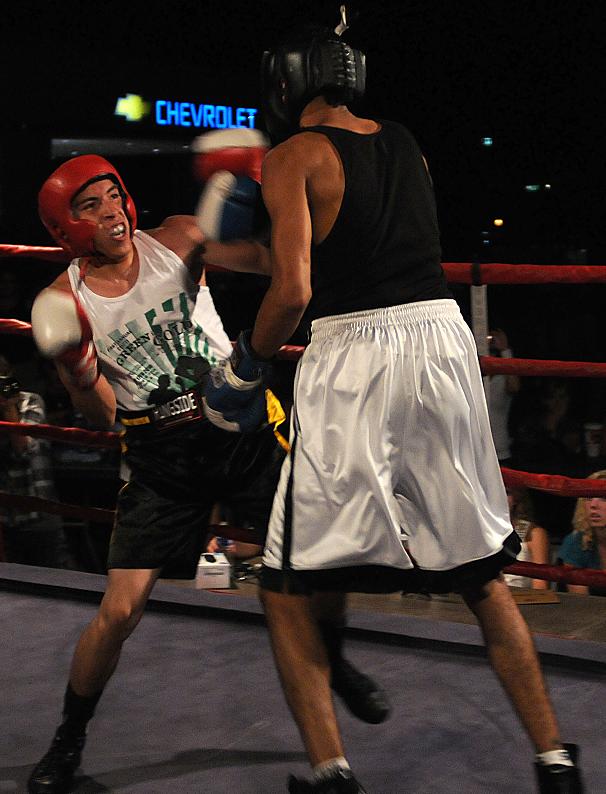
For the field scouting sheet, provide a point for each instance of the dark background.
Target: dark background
(530, 75)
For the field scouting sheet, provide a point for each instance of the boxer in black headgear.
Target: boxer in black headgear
(317, 62)
(392, 483)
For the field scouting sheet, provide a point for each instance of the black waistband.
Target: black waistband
(187, 407)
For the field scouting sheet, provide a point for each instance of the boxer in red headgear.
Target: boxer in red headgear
(60, 325)
(133, 330)
(85, 206)
(56, 197)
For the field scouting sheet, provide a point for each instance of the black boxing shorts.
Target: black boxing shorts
(384, 579)
(177, 475)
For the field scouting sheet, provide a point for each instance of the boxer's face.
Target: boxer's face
(102, 204)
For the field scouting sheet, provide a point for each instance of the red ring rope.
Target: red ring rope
(490, 365)
(35, 504)
(64, 435)
(495, 273)
(15, 327)
(456, 272)
(562, 574)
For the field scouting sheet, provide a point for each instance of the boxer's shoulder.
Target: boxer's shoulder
(179, 233)
(305, 151)
(177, 224)
(292, 147)
(61, 282)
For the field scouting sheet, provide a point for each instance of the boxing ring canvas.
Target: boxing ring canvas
(196, 704)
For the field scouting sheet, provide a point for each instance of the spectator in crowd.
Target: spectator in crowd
(30, 537)
(233, 549)
(534, 538)
(500, 392)
(585, 546)
(548, 439)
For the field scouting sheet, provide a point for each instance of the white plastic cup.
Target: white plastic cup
(593, 439)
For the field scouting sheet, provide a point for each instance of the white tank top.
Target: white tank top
(154, 340)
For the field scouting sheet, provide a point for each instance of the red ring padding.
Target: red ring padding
(490, 365)
(496, 273)
(555, 484)
(562, 574)
(33, 504)
(550, 483)
(100, 515)
(17, 327)
(456, 272)
(48, 253)
(64, 435)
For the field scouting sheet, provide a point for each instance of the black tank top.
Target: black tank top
(384, 246)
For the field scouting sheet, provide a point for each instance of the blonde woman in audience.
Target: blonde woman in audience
(585, 546)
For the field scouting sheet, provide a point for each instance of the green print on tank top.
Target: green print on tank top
(154, 345)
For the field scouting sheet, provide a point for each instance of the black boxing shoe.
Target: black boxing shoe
(341, 782)
(54, 773)
(559, 779)
(362, 696)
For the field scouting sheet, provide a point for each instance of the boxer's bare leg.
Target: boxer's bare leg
(94, 661)
(304, 671)
(514, 659)
(99, 646)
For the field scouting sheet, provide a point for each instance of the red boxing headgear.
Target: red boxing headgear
(56, 196)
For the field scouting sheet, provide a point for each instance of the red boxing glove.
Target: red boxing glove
(239, 150)
(62, 331)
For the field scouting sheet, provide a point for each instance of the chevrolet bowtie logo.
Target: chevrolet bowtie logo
(132, 107)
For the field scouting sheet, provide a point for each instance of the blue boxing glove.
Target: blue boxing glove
(229, 207)
(234, 395)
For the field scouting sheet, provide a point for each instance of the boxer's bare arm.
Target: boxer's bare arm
(243, 256)
(181, 234)
(98, 404)
(285, 173)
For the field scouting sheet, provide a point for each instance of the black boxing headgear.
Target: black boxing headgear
(295, 72)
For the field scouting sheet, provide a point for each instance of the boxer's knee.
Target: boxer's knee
(118, 617)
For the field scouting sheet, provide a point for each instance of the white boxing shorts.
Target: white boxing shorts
(392, 461)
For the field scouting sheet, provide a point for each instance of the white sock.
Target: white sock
(327, 768)
(552, 757)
